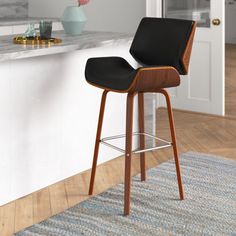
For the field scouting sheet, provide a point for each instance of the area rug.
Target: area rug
(209, 207)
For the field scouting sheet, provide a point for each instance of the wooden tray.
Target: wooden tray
(36, 41)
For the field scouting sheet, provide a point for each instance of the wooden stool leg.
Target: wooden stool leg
(128, 152)
(174, 143)
(97, 142)
(142, 138)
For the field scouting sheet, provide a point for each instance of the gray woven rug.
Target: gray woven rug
(209, 208)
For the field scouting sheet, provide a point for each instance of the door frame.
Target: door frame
(154, 8)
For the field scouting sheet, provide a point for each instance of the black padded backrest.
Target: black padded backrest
(161, 42)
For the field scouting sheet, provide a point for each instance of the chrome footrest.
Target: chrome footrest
(104, 141)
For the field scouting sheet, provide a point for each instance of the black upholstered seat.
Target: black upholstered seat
(110, 72)
(158, 42)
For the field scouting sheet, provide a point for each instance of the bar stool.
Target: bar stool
(163, 48)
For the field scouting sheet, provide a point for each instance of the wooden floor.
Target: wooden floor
(195, 132)
(230, 85)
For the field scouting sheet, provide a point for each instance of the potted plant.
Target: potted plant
(74, 19)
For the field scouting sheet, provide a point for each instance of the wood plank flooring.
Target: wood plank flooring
(230, 85)
(195, 132)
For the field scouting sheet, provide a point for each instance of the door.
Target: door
(203, 89)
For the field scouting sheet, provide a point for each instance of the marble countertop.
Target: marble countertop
(87, 40)
(23, 21)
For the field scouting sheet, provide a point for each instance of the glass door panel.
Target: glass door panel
(197, 10)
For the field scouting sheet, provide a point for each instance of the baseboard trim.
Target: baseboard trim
(227, 117)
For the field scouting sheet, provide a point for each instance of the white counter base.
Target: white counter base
(49, 118)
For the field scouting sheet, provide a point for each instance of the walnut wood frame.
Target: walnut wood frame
(151, 79)
(128, 147)
(188, 50)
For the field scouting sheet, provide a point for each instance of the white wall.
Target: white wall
(104, 15)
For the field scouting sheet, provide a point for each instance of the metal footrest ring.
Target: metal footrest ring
(104, 141)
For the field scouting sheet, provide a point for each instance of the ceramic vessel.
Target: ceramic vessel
(73, 20)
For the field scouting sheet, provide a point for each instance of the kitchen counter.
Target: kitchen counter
(87, 40)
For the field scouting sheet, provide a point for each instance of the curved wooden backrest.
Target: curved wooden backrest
(155, 78)
(188, 50)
